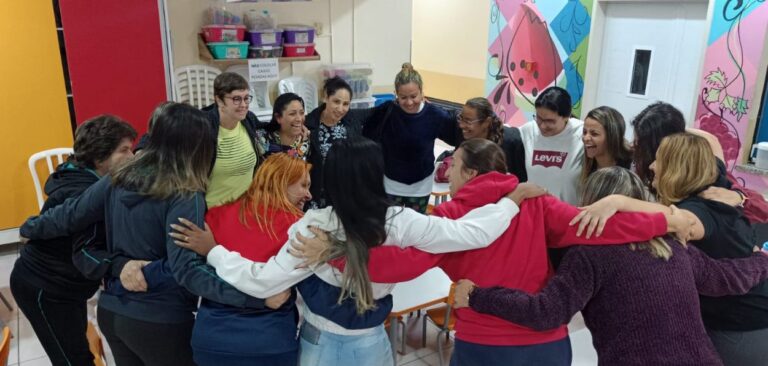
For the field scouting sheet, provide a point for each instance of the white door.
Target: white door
(651, 51)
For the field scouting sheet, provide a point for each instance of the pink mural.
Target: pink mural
(535, 45)
(735, 47)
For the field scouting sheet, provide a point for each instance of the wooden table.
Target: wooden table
(431, 288)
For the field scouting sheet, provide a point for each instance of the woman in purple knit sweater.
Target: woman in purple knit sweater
(640, 300)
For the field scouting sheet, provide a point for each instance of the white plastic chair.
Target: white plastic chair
(306, 89)
(260, 105)
(194, 84)
(48, 155)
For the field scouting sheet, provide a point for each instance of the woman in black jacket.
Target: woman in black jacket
(46, 280)
(331, 121)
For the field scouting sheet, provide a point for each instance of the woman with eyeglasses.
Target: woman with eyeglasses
(236, 155)
(406, 130)
(285, 132)
(553, 148)
(478, 120)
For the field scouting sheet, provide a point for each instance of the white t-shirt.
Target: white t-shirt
(555, 162)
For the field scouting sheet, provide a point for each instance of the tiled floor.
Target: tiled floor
(581, 342)
(27, 351)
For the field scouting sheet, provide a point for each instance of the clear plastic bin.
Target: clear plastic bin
(362, 103)
(265, 52)
(358, 76)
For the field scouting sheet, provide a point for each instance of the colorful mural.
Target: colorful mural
(535, 45)
(735, 47)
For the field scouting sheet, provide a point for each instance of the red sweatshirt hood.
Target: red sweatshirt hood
(485, 188)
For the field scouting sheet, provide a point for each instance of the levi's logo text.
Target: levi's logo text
(549, 158)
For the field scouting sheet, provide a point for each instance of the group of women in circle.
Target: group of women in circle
(329, 208)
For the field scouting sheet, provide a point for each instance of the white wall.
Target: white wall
(372, 31)
(382, 35)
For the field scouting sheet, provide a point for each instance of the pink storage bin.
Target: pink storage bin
(298, 49)
(224, 33)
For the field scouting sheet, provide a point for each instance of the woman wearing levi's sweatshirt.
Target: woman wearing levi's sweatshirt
(640, 300)
(519, 257)
(554, 151)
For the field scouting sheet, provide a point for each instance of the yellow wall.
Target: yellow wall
(33, 104)
(449, 47)
(454, 88)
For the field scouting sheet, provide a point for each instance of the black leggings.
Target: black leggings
(59, 323)
(136, 342)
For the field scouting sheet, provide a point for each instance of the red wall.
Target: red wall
(115, 58)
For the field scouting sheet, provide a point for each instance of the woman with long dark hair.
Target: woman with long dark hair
(330, 122)
(165, 183)
(361, 217)
(604, 143)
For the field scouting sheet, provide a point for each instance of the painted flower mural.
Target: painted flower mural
(735, 47)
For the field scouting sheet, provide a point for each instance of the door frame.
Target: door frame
(596, 40)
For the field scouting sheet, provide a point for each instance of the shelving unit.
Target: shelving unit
(205, 55)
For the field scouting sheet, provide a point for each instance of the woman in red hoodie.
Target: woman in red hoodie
(518, 257)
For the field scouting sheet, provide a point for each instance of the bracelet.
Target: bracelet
(469, 294)
(743, 198)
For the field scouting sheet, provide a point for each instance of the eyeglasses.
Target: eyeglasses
(239, 100)
(462, 119)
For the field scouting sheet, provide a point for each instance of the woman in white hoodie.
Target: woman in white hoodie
(360, 217)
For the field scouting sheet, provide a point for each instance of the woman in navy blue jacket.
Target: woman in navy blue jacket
(406, 130)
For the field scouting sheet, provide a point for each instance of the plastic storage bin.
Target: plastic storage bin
(224, 50)
(298, 34)
(224, 33)
(265, 37)
(214, 15)
(362, 103)
(298, 50)
(265, 52)
(358, 76)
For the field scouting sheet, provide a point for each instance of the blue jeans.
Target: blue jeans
(320, 348)
(205, 358)
(557, 353)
